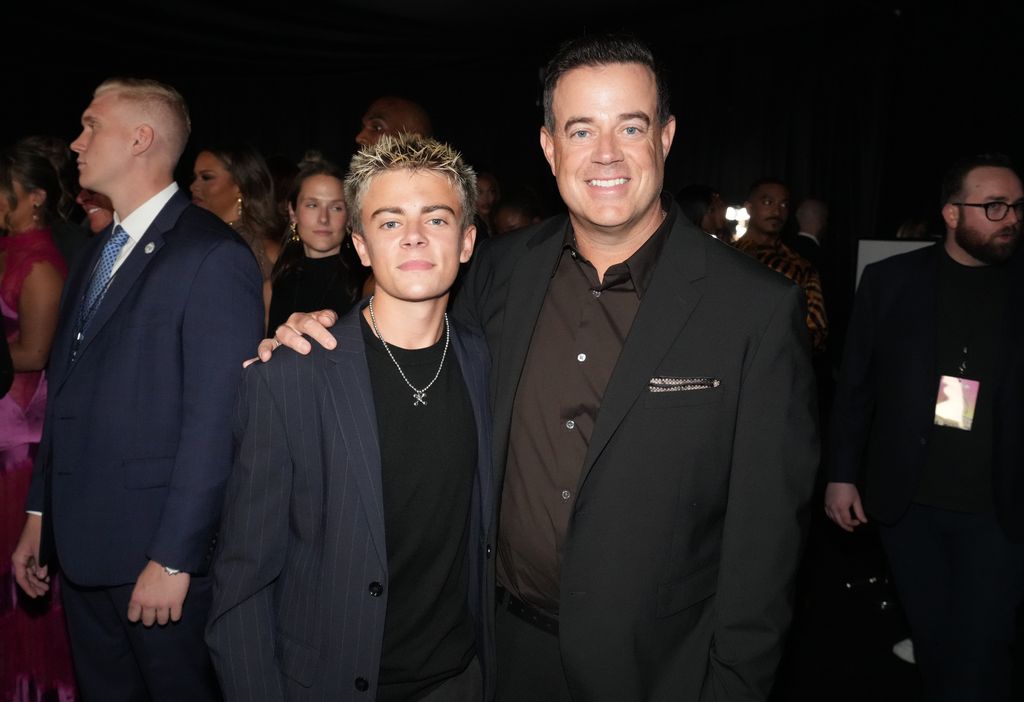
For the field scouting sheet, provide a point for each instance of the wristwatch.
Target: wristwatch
(171, 571)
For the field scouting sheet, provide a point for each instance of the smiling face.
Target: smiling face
(320, 215)
(98, 209)
(412, 235)
(607, 150)
(213, 188)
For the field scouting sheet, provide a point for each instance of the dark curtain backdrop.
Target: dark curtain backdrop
(860, 103)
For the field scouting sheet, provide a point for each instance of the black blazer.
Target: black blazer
(885, 399)
(690, 516)
(301, 571)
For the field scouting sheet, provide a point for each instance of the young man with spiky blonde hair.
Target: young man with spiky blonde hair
(352, 552)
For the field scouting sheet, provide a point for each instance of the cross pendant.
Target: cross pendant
(419, 398)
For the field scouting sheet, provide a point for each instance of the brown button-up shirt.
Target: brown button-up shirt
(582, 326)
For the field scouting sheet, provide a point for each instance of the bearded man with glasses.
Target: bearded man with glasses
(927, 419)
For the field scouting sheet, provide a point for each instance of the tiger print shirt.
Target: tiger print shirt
(789, 263)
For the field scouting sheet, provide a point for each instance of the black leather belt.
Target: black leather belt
(526, 612)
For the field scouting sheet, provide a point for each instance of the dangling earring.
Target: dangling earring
(35, 211)
(239, 206)
(295, 235)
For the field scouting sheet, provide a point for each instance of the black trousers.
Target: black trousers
(960, 582)
(118, 660)
(529, 662)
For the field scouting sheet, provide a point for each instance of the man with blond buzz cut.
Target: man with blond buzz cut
(136, 445)
(353, 551)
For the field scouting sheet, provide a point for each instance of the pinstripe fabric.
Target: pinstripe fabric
(302, 536)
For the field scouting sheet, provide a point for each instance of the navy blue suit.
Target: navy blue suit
(301, 573)
(136, 447)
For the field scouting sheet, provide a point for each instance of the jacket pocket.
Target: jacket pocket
(143, 473)
(687, 591)
(296, 660)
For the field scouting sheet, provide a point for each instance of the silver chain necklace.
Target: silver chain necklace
(419, 395)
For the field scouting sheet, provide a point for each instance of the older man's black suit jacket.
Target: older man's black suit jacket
(677, 573)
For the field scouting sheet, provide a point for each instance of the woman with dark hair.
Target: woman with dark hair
(317, 268)
(235, 184)
(33, 637)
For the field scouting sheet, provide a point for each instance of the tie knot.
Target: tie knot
(120, 234)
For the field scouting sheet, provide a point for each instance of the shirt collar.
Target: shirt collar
(644, 260)
(142, 217)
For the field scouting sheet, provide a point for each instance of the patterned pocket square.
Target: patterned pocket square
(673, 384)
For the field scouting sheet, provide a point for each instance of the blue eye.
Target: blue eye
(632, 131)
(579, 133)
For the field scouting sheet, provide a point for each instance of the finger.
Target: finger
(318, 333)
(148, 616)
(291, 338)
(134, 611)
(39, 586)
(858, 509)
(249, 361)
(326, 317)
(176, 612)
(163, 615)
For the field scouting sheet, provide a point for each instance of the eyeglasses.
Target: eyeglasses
(996, 211)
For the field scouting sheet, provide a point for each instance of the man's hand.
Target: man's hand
(158, 597)
(289, 334)
(31, 577)
(843, 506)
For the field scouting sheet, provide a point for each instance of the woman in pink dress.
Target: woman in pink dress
(35, 663)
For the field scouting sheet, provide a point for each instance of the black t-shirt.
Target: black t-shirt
(428, 460)
(970, 313)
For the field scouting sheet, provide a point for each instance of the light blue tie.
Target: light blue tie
(101, 276)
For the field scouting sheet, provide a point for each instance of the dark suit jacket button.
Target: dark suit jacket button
(376, 590)
(362, 685)
(488, 552)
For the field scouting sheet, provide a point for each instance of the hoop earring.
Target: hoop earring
(295, 234)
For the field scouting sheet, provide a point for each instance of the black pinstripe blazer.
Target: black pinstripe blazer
(301, 548)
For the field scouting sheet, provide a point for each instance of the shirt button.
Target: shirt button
(595, 293)
(570, 424)
(581, 357)
(566, 494)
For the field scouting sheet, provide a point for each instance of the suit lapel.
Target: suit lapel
(348, 382)
(527, 287)
(70, 309)
(123, 281)
(670, 299)
(474, 373)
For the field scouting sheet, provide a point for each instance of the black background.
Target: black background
(860, 103)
